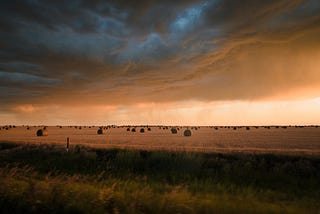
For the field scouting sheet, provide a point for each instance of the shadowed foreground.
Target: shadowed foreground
(48, 179)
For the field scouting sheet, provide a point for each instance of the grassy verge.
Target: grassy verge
(86, 180)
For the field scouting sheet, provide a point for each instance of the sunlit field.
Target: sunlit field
(257, 139)
(215, 170)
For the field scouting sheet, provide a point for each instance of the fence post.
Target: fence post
(68, 142)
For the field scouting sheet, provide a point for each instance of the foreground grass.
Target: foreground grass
(85, 180)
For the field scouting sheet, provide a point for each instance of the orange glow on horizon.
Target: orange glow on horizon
(299, 112)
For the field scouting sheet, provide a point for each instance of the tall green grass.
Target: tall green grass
(86, 180)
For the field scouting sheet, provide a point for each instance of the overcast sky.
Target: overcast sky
(160, 62)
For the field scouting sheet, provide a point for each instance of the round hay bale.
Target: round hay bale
(247, 128)
(142, 130)
(187, 133)
(133, 130)
(149, 129)
(174, 131)
(128, 129)
(42, 132)
(100, 131)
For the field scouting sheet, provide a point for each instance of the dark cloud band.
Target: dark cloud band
(157, 51)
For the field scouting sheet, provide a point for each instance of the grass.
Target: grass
(86, 180)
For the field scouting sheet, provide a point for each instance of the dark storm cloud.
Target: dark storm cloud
(139, 51)
(15, 77)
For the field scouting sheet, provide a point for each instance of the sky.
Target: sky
(183, 62)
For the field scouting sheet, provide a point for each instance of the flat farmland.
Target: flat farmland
(215, 170)
(288, 140)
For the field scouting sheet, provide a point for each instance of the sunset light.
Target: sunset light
(160, 106)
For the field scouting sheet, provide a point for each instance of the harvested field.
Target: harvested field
(290, 140)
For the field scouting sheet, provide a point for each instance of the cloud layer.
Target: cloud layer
(125, 52)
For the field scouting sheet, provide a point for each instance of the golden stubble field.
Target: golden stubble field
(290, 140)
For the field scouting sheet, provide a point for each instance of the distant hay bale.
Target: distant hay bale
(100, 131)
(128, 129)
(174, 131)
(142, 130)
(187, 133)
(234, 128)
(248, 128)
(149, 129)
(133, 130)
(42, 132)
